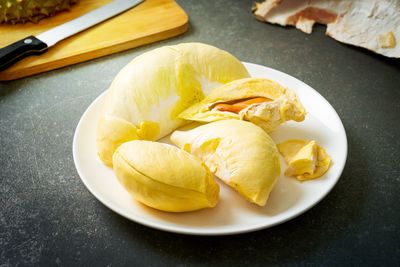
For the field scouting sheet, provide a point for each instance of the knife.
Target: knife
(35, 45)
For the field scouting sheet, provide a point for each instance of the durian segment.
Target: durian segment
(158, 85)
(306, 159)
(239, 153)
(15, 11)
(111, 133)
(280, 104)
(164, 177)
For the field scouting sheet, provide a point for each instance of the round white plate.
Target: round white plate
(233, 214)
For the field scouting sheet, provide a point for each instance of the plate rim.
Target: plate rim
(208, 231)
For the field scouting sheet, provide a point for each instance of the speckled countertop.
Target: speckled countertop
(49, 218)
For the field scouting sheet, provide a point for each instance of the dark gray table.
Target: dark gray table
(48, 217)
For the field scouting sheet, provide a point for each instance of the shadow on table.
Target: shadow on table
(8, 88)
(392, 62)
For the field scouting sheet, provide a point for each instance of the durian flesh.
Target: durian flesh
(260, 101)
(164, 177)
(144, 100)
(239, 153)
(14, 11)
(306, 159)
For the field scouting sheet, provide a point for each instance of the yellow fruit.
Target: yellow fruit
(147, 95)
(239, 153)
(306, 159)
(164, 177)
(260, 101)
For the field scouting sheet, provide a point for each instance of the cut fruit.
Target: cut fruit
(306, 159)
(260, 101)
(164, 177)
(238, 152)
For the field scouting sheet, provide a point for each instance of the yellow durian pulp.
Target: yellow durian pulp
(280, 106)
(148, 94)
(306, 159)
(239, 153)
(164, 177)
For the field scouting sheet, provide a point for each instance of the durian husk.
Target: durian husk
(22, 11)
(372, 24)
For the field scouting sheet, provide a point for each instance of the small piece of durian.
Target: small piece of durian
(306, 159)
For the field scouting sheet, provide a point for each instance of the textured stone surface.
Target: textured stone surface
(48, 217)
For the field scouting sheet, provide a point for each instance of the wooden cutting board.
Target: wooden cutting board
(151, 21)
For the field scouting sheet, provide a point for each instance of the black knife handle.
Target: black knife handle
(21, 49)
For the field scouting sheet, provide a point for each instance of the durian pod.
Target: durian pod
(148, 94)
(239, 153)
(260, 101)
(164, 177)
(15, 11)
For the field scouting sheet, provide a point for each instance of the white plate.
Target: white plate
(233, 214)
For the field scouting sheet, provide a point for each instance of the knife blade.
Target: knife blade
(36, 45)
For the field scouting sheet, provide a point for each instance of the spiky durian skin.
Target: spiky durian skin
(15, 11)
